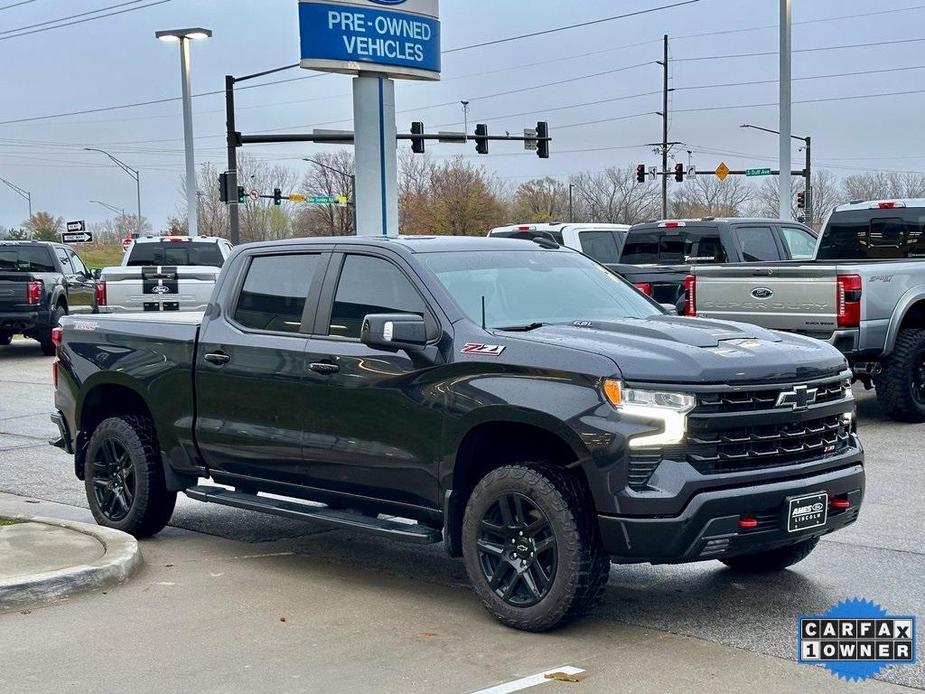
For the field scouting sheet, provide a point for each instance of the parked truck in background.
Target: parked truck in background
(39, 284)
(163, 273)
(514, 400)
(863, 292)
(601, 242)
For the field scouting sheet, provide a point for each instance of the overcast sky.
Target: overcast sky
(116, 60)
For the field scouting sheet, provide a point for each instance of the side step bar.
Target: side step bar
(404, 532)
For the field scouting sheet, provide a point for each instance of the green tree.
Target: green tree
(44, 226)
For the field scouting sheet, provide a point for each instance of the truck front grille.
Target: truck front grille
(765, 399)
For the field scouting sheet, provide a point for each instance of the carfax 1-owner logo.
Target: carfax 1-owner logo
(856, 639)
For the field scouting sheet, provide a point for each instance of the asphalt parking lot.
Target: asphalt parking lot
(729, 616)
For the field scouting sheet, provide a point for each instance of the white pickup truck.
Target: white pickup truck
(163, 273)
(601, 242)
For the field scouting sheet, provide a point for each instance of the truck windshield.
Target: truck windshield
(874, 234)
(175, 253)
(528, 288)
(680, 246)
(26, 259)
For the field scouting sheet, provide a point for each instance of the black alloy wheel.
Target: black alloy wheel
(113, 480)
(517, 550)
(918, 378)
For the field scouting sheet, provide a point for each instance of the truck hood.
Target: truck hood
(671, 349)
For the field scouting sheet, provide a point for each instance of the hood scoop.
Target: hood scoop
(686, 331)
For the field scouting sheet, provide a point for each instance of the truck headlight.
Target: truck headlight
(670, 408)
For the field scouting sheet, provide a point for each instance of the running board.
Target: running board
(404, 532)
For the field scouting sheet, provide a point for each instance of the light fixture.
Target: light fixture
(174, 35)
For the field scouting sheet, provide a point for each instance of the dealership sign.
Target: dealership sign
(397, 38)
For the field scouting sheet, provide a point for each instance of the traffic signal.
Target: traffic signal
(679, 172)
(542, 140)
(641, 173)
(417, 143)
(801, 200)
(481, 138)
(223, 187)
(242, 195)
(277, 196)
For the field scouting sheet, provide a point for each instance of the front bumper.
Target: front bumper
(708, 526)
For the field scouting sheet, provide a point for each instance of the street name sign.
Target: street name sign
(77, 236)
(79, 225)
(396, 38)
(757, 172)
(722, 171)
(322, 200)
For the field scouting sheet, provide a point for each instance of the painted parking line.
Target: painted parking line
(529, 681)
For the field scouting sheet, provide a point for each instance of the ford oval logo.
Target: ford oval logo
(762, 293)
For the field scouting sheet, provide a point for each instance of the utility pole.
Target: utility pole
(786, 191)
(665, 129)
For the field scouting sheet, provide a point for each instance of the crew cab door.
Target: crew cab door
(368, 431)
(250, 365)
(81, 286)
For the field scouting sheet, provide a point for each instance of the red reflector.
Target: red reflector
(57, 334)
(886, 205)
(848, 290)
(748, 522)
(100, 293)
(840, 503)
(690, 290)
(644, 287)
(34, 292)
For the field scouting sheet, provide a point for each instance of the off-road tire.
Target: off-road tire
(48, 347)
(581, 566)
(773, 560)
(152, 504)
(895, 384)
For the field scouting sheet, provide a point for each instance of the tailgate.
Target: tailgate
(14, 292)
(159, 288)
(666, 282)
(797, 298)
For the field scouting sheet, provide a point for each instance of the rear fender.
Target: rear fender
(906, 302)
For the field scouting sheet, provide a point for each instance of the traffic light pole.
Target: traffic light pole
(665, 128)
(234, 219)
(810, 207)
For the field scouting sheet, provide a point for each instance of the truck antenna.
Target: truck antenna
(483, 312)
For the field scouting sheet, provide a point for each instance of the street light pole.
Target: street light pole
(786, 191)
(353, 187)
(807, 170)
(134, 173)
(571, 216)
(183, 36)
(25, 194)
(120, 210)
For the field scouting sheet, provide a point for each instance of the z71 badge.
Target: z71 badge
(479, 348)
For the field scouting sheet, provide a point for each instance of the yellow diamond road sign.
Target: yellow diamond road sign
(722, 171)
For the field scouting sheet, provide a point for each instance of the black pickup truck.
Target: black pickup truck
(39, 283)
(514, 400)
(657, 257)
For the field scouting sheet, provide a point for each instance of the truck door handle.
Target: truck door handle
(325, 368)
(217, 358)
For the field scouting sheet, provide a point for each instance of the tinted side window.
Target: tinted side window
(66, 267)
(800, 243)
(370, 285)
(274, 292)
(77, 264)
(600, 245)
(757, 244)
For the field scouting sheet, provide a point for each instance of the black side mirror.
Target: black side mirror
(96, 272)
(394, 331)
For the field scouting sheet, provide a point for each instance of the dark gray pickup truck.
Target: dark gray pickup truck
(514, 400)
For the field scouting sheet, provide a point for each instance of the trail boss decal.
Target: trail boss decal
(479, 348)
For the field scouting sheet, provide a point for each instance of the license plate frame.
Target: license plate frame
(807, 511)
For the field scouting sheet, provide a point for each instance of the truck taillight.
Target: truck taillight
(644, 287)
(34, 292)
(57, 335)
(690, 294)
(848, 300)
(100, 293)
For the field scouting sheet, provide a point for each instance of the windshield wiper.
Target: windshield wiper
(522, 328)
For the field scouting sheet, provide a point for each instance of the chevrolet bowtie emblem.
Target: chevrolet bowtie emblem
(799, 398)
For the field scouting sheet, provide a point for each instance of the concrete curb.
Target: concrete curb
(120, 560)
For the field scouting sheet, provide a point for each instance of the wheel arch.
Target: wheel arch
(502, 438)
(909, 313)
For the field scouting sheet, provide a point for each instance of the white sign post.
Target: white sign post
(375, 40)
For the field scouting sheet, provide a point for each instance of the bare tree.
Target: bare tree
(331, 174)
(614, 196)
(213, 213)
(707, 196)
(876, 185)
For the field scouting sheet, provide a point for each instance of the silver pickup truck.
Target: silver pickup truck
(163, 273)
(863, 292)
